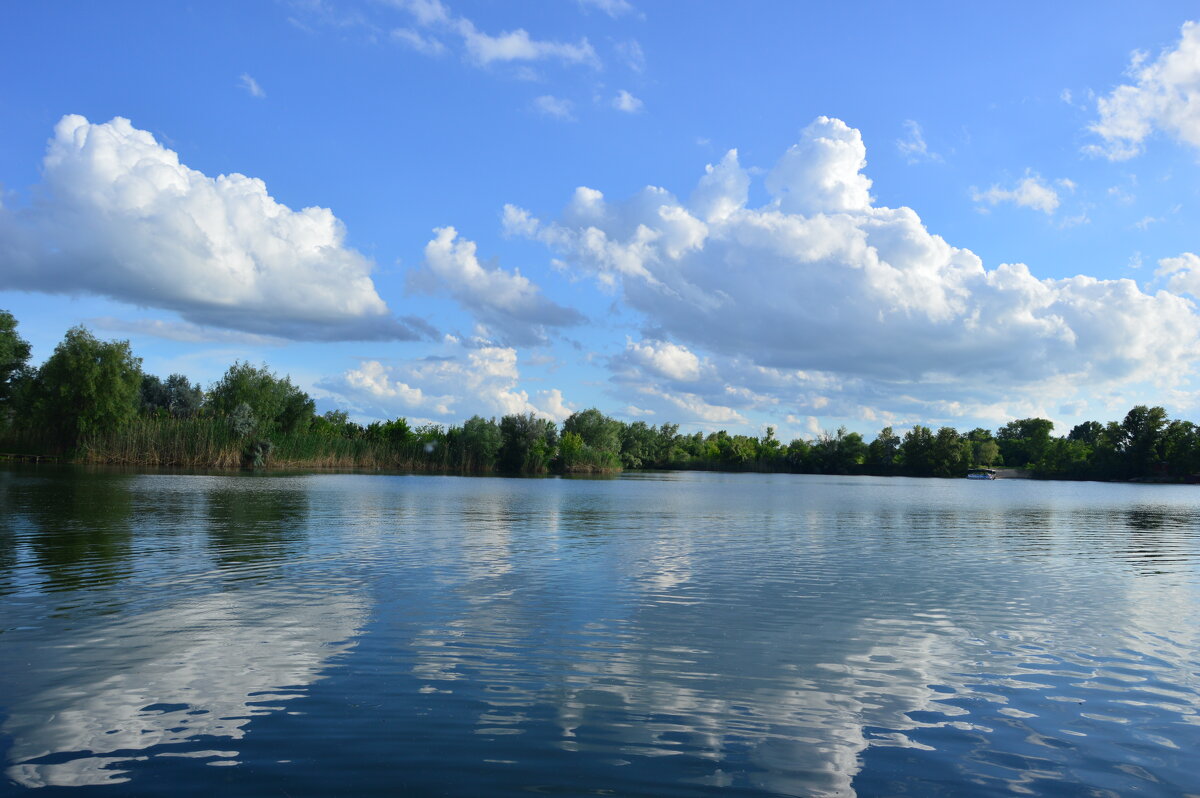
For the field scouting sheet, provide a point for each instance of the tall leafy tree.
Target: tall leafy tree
(87, 386)
(14, 355)
(276, 403)
(883, 451)
(1024, 440)
(949, 453)
(598, 431)
(916, 452)
(183, 398)
(527, 443)
(1140, 438)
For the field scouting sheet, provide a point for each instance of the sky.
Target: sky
(725, 216)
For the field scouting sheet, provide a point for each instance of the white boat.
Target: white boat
(981, 473)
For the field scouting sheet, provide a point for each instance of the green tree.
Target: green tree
(598, 431)
(154, 394)
(1140, 437)
(1023, 441)
(14, 355)
(883, 452)
(916, 452)
(276, 403)
(1180, 448)
(527, 443)
(799, 456)
(480, 443)
(1087, 432)
(638, 443)
(87, 387)
(949, 453)
(184, 399)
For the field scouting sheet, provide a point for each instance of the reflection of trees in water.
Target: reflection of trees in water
(77, 526)
(251, 520)
(183, 660)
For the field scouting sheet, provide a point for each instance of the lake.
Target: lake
(664, 634)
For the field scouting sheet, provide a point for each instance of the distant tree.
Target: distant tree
(1181, 448)
(1023, 441)
(637, 445)
(1140, 438)
(480, 444)
(838, 453)
(87, 386)
(154, 395)
(184, 399)
(949, 453)
(799, 456)
(916, 452)
(527, 443)
(14, 355)
(1087, 432)
(986, 453)
(276, 403)
(1063, 457)
(598, 431)
(883, 451)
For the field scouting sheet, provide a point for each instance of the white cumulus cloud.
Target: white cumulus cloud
(118, 215)
(821, 297)
(507, 303)
(484, 380)
(1164, 96)
(666, 359)
(1182, 273)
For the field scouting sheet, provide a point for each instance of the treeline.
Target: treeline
(91, 401)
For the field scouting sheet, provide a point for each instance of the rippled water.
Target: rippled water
(663, 634)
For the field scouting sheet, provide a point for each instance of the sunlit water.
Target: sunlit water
(662, 634)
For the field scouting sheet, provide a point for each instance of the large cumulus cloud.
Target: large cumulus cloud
(822, 281)
(117, 214)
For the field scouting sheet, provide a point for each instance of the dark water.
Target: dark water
(665, 635)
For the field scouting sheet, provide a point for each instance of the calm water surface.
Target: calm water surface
(661, 635)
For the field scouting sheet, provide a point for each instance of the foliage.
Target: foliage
(527, 444)
(276, 403)
(91, 395)
(86, 387)
(14, 355)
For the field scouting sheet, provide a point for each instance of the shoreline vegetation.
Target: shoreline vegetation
(90, 402)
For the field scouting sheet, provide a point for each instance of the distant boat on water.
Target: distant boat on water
(981, 473)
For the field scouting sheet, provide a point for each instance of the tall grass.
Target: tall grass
(206, 442)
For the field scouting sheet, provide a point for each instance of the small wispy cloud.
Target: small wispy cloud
(912, 146)
(426, 45)
(631, 54)
(614, 8)
(1030, 192)
(624, 101)
(251, 86)
(485, 49)
(555, 107)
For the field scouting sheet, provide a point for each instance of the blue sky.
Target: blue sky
(718, 215)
